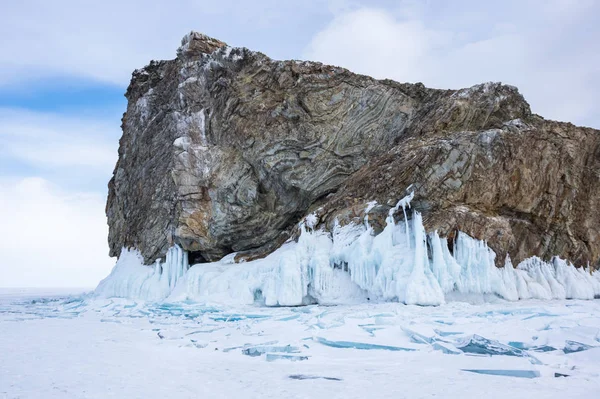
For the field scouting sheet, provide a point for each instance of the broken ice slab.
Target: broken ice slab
(232, 348)
(288, 318)
(197, 344)
(259, 350)
(304, 309)
(541, 314)
(447, 333)
(482, 346)
(507, 373)
(524, 346)
(371, 328)
(181, 309)
(518, 345)
(249, 346)
(252, 352)
(478, 345)
(207, 330)
(312, 377)
(276, 356)
(110, 321)
(327, 325)
(543, 348)
(423, 337)
(574, 346)
(238, 317)
(446, 348)
(384, 315)
(359, 345)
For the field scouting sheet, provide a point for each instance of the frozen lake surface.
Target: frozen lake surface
(56, 344)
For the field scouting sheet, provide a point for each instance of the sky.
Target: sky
(66, 64)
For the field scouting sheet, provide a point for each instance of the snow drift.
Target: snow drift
(403, 263)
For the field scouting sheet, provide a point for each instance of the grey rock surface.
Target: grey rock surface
(225, 150)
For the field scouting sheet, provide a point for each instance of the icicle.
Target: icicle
(404, 203)
(439, 266)
(351, 264)
(406, 226)
(422, 287)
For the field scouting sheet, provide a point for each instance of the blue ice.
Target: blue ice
(542, 348)
(208, 330)
(249, 346)
(479, 345)
(260, 350)
(447, 333)
(418, 337)
(507, 373)
(541, 314)
(276, 356)
(446, 348)
(371, 328)
(573, 347)
(524, 346)
(483, 346)
(312, 377)
(288, 318)
(358, 345)
(518, 345)
(238, 317)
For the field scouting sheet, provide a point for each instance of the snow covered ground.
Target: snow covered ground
(53, 345)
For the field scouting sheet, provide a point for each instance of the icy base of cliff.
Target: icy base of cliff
(88, 347)
(351, 265)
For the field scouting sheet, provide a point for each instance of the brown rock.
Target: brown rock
(225, 150)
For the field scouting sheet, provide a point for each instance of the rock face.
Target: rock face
(225, 150)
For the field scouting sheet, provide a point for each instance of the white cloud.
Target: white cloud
(106, 40)
(547, 48)
(372, 42)
(52, 141)
(51, 238)
(51, 235)
(550, 55)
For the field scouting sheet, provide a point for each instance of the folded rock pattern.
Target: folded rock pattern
(226, 150)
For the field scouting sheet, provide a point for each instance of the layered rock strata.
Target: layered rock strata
(226, 150)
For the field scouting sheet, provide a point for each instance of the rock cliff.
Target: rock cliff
(226, 150)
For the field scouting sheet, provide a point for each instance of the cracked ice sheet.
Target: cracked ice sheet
(69, 347)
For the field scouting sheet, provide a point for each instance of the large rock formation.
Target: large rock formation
(225, 150)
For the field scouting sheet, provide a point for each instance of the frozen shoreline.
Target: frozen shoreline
(85, 347)
(352, 265)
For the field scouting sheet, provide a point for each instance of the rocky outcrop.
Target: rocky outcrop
(225, 150)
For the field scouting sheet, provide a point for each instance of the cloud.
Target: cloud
(49, 237)
(548, 52)
(373, 42)
(54, 234)
(546, 48)
(52, 141)
(107, 40)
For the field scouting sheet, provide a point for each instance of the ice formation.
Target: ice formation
(507, 373)
(131, 279)
(403, 263)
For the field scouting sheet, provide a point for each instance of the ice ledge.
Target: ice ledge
(351, 265)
